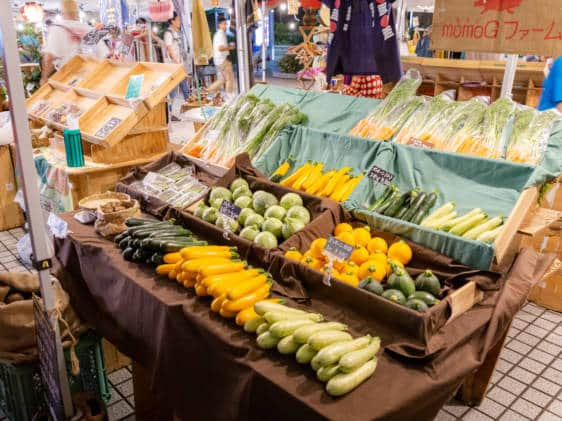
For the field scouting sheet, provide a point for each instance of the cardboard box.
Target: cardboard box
(543, 232)
(11, 215)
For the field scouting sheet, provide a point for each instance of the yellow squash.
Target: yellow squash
(239, 276)
(217, 303)
(172, 257)
(338, 191)
(247, 300)
(289, 181)
(321, 182)
(246, 287)
(189, 254)
(217, 269)
(313, 176)
(245, 315)
(297, 185)
(334, 182)
(164, 269)
(350, 187)
(198, 264)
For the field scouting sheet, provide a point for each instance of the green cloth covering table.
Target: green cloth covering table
(470, 182)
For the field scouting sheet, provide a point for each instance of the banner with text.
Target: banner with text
(499, 26)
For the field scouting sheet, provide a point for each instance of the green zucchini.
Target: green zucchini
(287, 345)
(154, 243)
(173, 247)
(302, 334)
(424, 208)
(264, 327)
(470, 223)
(417, 305)
(120, 237)
(355, 359)
(416, 205)
(252, 325)
(332, 353)
(140, 256)
(385, 195)
(277, 316)
(287, 327)
(344, 383)
(325, 373)
(157, 259)
(132, 230)
(324, 338)
(135, 222)
(267, 340)
(305, 354)
(128, 254)
(267, 306)
(393, 209)
(425, 296)
(124, 243)
(155, 233)
(393, 197)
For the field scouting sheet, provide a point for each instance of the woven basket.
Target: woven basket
(94, 201)
(110, 224)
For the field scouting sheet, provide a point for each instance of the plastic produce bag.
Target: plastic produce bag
(462, 127)
(530, 134)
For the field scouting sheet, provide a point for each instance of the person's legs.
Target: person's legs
(228, 73)
(217, 84)
(185, 89)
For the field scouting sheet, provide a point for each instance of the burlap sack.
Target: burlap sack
(17, 325)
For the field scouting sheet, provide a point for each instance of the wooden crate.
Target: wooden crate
(213, 169)
(11, 215)
(43, 101)
(106, 76)
(76, 70)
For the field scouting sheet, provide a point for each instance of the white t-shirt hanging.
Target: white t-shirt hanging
(220, 40)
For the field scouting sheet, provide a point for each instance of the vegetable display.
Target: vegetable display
(371, 258)
(147, 240)
(340, 361)
(412, 206)
(247, 125)
(474, 225)
(263, 218)
(172, 184)
(315, 179)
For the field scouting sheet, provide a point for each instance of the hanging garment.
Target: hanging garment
(363, 39)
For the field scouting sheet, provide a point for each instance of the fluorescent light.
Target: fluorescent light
(283, 7)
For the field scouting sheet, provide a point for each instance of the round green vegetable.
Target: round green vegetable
(291, 226)
(274, 226)
(263, 200)
(216, 203)
(266, 240)
(372, 285)
(300, 213)
(289, 200)
(227, 224)
(425, 296)
(427, 281)
(276, 211)
(249, 233)
(243, 202)
(200, 210)
(220, 193)
(210, 215)
(394, 295)
(244, 214)
(254, 220)
(402, 281)
(239, 182)
(240, 192)
(417, 305)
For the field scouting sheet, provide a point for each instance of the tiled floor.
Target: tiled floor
(527, 384)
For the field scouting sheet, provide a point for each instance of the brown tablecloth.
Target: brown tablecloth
(209, 369)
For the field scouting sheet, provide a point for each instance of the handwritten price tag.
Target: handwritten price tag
(230, 210)
(380, 176)
(418, 143)
(108, 127)
(338, 250)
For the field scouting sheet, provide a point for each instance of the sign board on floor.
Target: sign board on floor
(498, 26)
(47, 349)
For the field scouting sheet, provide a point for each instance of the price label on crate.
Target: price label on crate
(380, 176)
(230, 210)
(108, 127)
(418, 143)
(337, 249)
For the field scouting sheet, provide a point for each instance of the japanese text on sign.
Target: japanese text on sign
(418, 143)
(230, 210)
(337, 250)
(380, 176)
(108, 127)
(501, 26)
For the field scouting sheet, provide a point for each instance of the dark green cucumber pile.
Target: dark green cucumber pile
(147, 240)
(412, 206)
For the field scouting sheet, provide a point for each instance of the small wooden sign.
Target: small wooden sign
(108, 127)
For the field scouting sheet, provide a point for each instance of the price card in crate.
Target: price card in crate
(335, 251)
(381, 176)
(231, 211)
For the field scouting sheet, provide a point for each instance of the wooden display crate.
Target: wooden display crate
(76, 70)
(43, 101)
(106, 76)
(213, 169)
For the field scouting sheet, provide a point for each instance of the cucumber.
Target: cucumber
(425, 296)
(305, 354)
(326, 373)
(415, 206)
(424, 208)
(302, 334)
(252, 325)
(287, 345)
(393, 197)
(264, 327)
(266, 306)
(355, 359)
(324, 338)
(285, 328)
(394, 207)
(267, 340)
(135, 222)
(332, 353)
(128, 254)
(277, 316)
(385, 195)
(124, 243)
(344, 383)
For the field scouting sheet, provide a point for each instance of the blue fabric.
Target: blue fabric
(552, 93)
(422, 49)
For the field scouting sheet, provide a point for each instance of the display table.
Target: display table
(205, 367)
(62, 187)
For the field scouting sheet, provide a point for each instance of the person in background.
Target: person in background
(63, 39)
(552, 88)
(175, 50)
(221, 50)
(423, 46)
